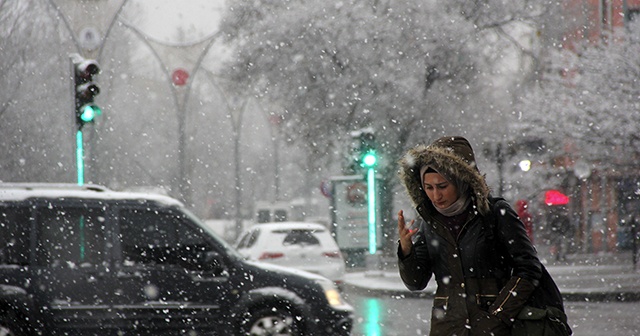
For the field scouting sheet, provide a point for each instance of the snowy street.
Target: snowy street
(376, 316)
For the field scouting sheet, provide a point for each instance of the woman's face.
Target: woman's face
(441, 192)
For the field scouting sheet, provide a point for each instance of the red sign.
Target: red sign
(554, 197)
(357, 193)
(179, 77)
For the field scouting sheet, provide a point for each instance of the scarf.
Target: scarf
(460, 205)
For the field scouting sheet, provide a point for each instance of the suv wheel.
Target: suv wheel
(9, 325)
(271, 321)
(4, 331)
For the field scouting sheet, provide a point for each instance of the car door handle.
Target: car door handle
(128, 275)
(93, 277)
(209, 277)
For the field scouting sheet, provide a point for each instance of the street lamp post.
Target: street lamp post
(274, 122)
(236, 121)
(500, 163)
(500, 152)
(235, 109)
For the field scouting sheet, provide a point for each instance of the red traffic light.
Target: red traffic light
(85, 70)
(555, 197)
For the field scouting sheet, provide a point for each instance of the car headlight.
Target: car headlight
(332, 294)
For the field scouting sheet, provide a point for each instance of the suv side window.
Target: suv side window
(70, 236)
(15, 228)
(159, 237)
(146, 236)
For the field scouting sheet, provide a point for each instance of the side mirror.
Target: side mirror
(212, 261)
(195, 259)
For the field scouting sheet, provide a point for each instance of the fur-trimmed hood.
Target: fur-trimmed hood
(454, 156)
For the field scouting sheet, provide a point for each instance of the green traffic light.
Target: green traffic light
(369, 159)
(89, 113)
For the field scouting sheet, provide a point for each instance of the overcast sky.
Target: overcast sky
(161, 19)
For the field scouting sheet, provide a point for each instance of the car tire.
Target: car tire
(277, 321)
(9, 325)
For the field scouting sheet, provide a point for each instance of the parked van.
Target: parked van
(86, 260)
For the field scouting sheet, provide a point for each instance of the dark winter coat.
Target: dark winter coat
(488, 272)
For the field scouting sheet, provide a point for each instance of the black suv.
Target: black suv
(85, 260)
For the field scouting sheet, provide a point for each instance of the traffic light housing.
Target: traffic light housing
(85, 90)
(362, 153)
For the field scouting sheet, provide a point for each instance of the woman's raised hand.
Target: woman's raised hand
(405, 233)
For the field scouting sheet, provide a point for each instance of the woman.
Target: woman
(486, 268)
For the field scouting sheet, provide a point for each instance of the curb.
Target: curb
(601, 297)
(566, 296)
(377, 292)
(584, 277)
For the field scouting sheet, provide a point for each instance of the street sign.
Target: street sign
(89, 38)
(555, 197)
(351, 215)
(179, 77)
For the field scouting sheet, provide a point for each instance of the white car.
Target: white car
(301, 245)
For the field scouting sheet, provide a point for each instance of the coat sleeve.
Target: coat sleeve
(415, 269)
(523, 259)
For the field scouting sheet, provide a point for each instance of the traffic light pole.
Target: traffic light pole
(374, 264)
(369, 161)
(80, 157)
(371, 200)
(373, 259)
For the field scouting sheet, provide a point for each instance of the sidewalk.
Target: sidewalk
(582, 277)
